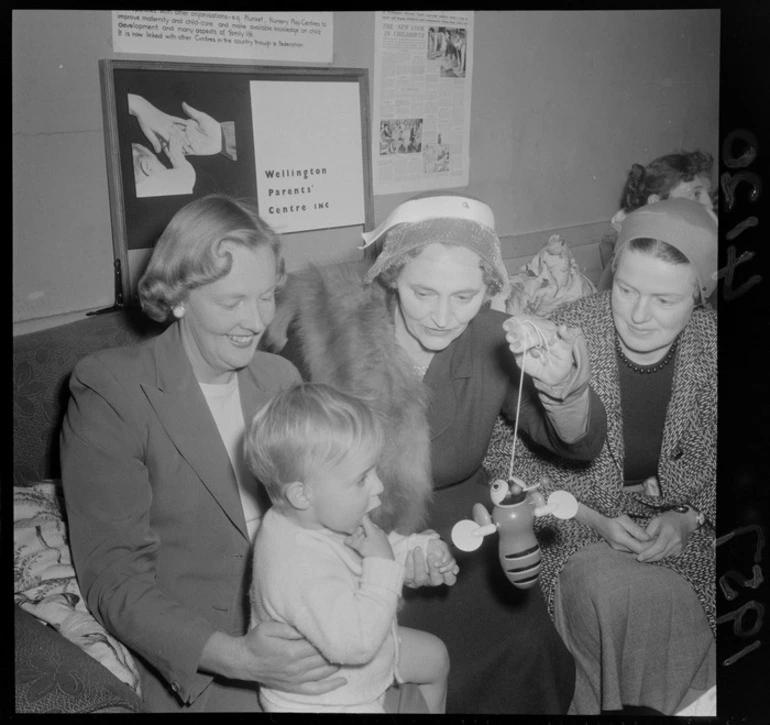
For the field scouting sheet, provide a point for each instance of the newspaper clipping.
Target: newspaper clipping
(422, 100)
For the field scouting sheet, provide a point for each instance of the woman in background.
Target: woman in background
(681, 175)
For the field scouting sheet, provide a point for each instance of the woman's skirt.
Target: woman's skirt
(505, 654)
(637, 631)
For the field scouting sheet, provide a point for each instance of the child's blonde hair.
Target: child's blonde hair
(304, 427)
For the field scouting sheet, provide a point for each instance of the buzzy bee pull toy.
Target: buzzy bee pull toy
(515, 504)
(515, 508)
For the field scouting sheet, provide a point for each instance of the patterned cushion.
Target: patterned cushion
(45, 584)
(55, 676)
(42, 362)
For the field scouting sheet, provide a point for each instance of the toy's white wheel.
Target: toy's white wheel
(566, 504)
(465, 535)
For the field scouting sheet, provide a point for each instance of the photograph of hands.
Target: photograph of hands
(163, 169)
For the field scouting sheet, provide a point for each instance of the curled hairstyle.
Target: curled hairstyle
(189, 252)
(658, 249)
(304, 427)
(662, 175)
(489, 276)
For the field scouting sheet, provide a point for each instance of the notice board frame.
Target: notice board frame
(216, 89)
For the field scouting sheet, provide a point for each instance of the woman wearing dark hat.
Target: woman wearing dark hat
(413, 334)
(631, 579)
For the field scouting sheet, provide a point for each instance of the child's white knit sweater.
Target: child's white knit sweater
(343, 604)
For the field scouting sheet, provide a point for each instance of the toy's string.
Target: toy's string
(542, 341)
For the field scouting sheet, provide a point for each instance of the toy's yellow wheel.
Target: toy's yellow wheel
(466, 535)
(566, 504)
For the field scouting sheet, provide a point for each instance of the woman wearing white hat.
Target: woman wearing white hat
(631, 579)
(413, 334)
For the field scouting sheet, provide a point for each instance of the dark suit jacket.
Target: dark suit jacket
(156, 525)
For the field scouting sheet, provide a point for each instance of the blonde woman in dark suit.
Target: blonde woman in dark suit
(161, 510)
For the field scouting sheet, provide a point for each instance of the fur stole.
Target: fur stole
(345, 336)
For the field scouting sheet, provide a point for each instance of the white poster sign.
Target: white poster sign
(422, 100)
(308, 154)
(282, 36)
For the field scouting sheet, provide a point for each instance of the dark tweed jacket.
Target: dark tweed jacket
(687, 463)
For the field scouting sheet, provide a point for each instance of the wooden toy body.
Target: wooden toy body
(515, 508)
(519, 550)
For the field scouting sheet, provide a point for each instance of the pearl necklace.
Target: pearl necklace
(420, 370)
(647, 368)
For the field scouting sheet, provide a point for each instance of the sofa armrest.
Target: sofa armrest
(54, 675)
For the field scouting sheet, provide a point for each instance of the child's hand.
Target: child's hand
(441, 561)
(370, 540)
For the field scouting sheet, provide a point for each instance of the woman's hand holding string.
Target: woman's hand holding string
(555, 356)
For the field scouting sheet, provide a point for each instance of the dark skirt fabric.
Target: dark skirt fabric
(505, 654)
(638, 633)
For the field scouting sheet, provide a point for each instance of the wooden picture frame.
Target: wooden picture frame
(155, 166)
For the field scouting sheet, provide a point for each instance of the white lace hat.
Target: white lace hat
(449, 219)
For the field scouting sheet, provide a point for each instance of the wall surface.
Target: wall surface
(562, 104)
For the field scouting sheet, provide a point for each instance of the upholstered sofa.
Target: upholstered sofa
(64, 662)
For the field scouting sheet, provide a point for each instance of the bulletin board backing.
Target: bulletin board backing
(178, 131)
